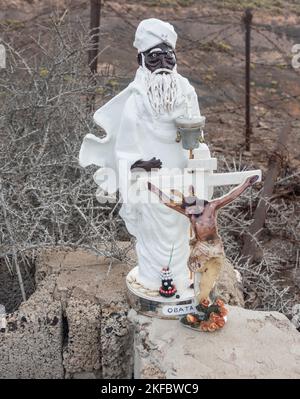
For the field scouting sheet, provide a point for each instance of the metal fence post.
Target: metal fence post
(95, 11)
(248, 128)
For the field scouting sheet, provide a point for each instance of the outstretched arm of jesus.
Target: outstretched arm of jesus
(165, 199)
(236, 192)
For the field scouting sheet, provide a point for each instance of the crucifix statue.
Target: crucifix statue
(207, 253)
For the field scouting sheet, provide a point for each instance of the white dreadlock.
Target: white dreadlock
(162, 88)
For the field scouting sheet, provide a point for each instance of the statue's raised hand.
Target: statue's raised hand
(147, 165)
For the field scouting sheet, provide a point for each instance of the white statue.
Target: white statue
(140, 130)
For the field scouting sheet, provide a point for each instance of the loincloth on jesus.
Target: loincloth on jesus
(205, 253)
(206, 259)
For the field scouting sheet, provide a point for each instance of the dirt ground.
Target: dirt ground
(211, 55)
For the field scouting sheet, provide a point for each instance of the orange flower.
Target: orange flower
(191, 319)
(219, 302)
(213, 316)
(212, 327)
(204, 326)
(208, 326)
(223, 312)
(205, 302)
(220, 323)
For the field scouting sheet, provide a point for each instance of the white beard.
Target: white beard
(162, 89)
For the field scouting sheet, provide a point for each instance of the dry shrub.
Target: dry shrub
(265, 282)
(46, 198)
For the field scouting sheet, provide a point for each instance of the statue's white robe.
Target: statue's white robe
(134, 132)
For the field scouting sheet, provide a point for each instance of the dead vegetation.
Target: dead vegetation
(46, 198)
(271, 278)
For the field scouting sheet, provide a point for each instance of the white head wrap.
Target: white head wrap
(151, 32)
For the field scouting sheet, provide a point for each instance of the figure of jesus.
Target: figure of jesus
(207, 252)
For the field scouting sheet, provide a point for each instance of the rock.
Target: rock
(2, 317)
(95, 306)
(253, 344)
(116, 342)
(228, 287)
(296, 316)
(82, 348)
(31, 344)
(75, 325)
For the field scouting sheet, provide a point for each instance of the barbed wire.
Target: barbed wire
(128, 17)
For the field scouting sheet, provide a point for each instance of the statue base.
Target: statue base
(152, 304)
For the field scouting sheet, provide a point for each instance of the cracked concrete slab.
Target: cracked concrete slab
(31, 344)
(76, 322)
(253, 344)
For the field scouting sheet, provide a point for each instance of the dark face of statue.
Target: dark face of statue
(194, 206)
(159, 56)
